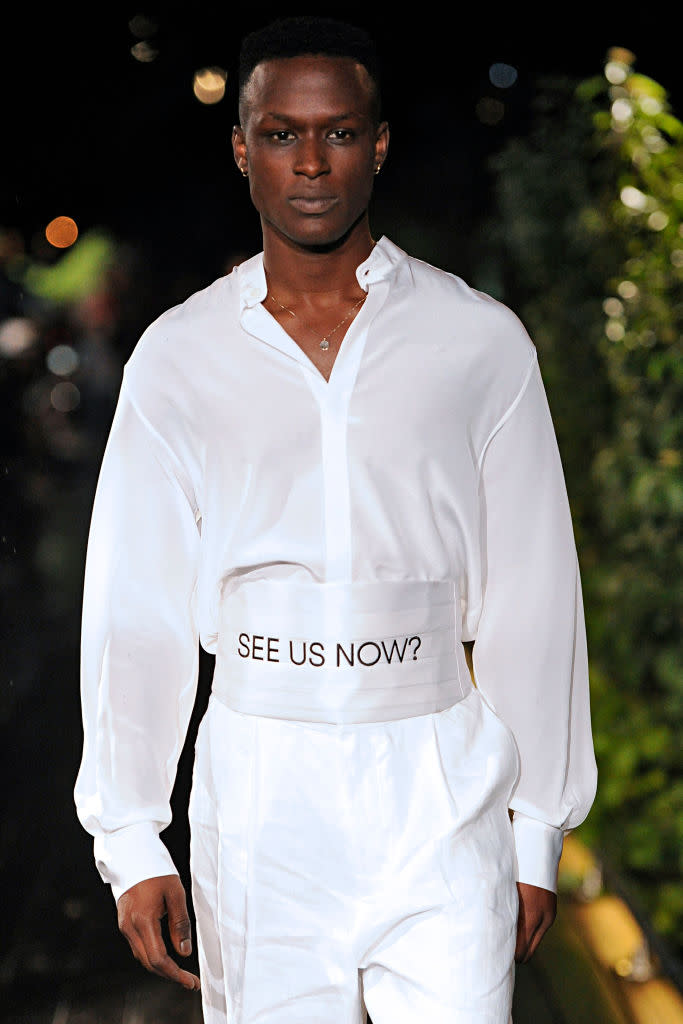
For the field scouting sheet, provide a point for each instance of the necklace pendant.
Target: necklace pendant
(324, 344)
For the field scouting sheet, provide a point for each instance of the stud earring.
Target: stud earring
(244, 170)
(378, 168)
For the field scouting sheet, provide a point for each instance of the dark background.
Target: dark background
(92, 133)
(125, 147)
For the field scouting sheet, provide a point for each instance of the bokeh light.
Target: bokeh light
(633, 198)
(657, 220)
(616, 72)
(65, 396)
(622, 112)
(143, 52)
(142, 26)
(613, 307)
(62, 360)
(18, 336)
(489, 110)
(502, 75)
(627, 289)
(209, 85)
(62, 232)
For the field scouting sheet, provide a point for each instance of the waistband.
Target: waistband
(340, 652)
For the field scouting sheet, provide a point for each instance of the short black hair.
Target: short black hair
(299, 36)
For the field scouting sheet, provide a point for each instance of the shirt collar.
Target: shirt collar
(385, 256)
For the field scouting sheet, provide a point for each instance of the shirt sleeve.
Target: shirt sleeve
(139, 648)
(530, 657)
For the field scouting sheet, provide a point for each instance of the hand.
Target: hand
(537, 910)
(140, 910)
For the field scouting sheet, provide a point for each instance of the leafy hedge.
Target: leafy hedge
(588, 242)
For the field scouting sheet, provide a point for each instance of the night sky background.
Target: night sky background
(96, 135)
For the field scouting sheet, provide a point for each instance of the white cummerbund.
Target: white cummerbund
(340, 652)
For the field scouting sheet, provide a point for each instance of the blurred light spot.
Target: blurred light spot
(502, 75)
(614, 330)
(677, 257)
(489, 110)
(655, 142)
(633, 198)
(622, 111)
(142, 26)
(669, 457)
(616, 72)
(144, 52)
(650, 105)
(65, 396)
(621, 55)
(73, 908)
(62, 360)
(657, 220)
(613, 307)
(18, 335)
(678, 190)
(209, 85)
(627, 289)
(61, 232)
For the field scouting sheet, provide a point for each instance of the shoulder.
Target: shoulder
(471, 323)
(171, 351)
(182, 325)
(467, 307)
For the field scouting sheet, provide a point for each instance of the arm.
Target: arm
(530, 659)
(139, 668)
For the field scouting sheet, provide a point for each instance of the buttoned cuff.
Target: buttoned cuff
(130, 855)
(538, 847)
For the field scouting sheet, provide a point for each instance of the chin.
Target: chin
(322, 237)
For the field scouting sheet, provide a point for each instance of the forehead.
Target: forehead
(309, 84)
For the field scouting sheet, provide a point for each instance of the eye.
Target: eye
(282, 135)
(341, 135)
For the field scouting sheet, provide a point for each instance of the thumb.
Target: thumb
(178, 918)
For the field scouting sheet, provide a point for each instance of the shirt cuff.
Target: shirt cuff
(538, 847)
(130, 855)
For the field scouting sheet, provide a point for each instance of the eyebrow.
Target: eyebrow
(335, 117)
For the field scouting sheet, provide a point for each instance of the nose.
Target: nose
(311, 158)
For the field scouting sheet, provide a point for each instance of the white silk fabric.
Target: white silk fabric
(339, 868)
(429, 456)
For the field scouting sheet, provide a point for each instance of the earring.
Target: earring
(378, 168)
(244, 170)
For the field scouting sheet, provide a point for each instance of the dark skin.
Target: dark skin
(310, 142)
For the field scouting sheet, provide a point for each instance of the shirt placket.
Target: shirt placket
(333, 398)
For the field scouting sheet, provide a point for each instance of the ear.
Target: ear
(239, 147)
(381, 144)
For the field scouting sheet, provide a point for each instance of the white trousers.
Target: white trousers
(345, 869)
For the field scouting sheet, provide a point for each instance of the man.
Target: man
(335, 467)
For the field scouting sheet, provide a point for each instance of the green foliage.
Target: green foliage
(591, 228)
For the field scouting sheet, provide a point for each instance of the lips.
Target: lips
(313, 204)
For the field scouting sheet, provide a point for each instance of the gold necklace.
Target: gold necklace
(324, 343)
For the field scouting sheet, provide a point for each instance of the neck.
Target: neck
(294, 270)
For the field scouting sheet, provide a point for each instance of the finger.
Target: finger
(526, 930)
(534, 937)
(538, 934)
(158, 960)
(137, 949)
(179, 920)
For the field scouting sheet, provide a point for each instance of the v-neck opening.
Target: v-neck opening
(305, 358)
(374, 276)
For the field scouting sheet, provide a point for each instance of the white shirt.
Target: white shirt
(429, 455)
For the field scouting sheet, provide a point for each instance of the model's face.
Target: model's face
(311, 145)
